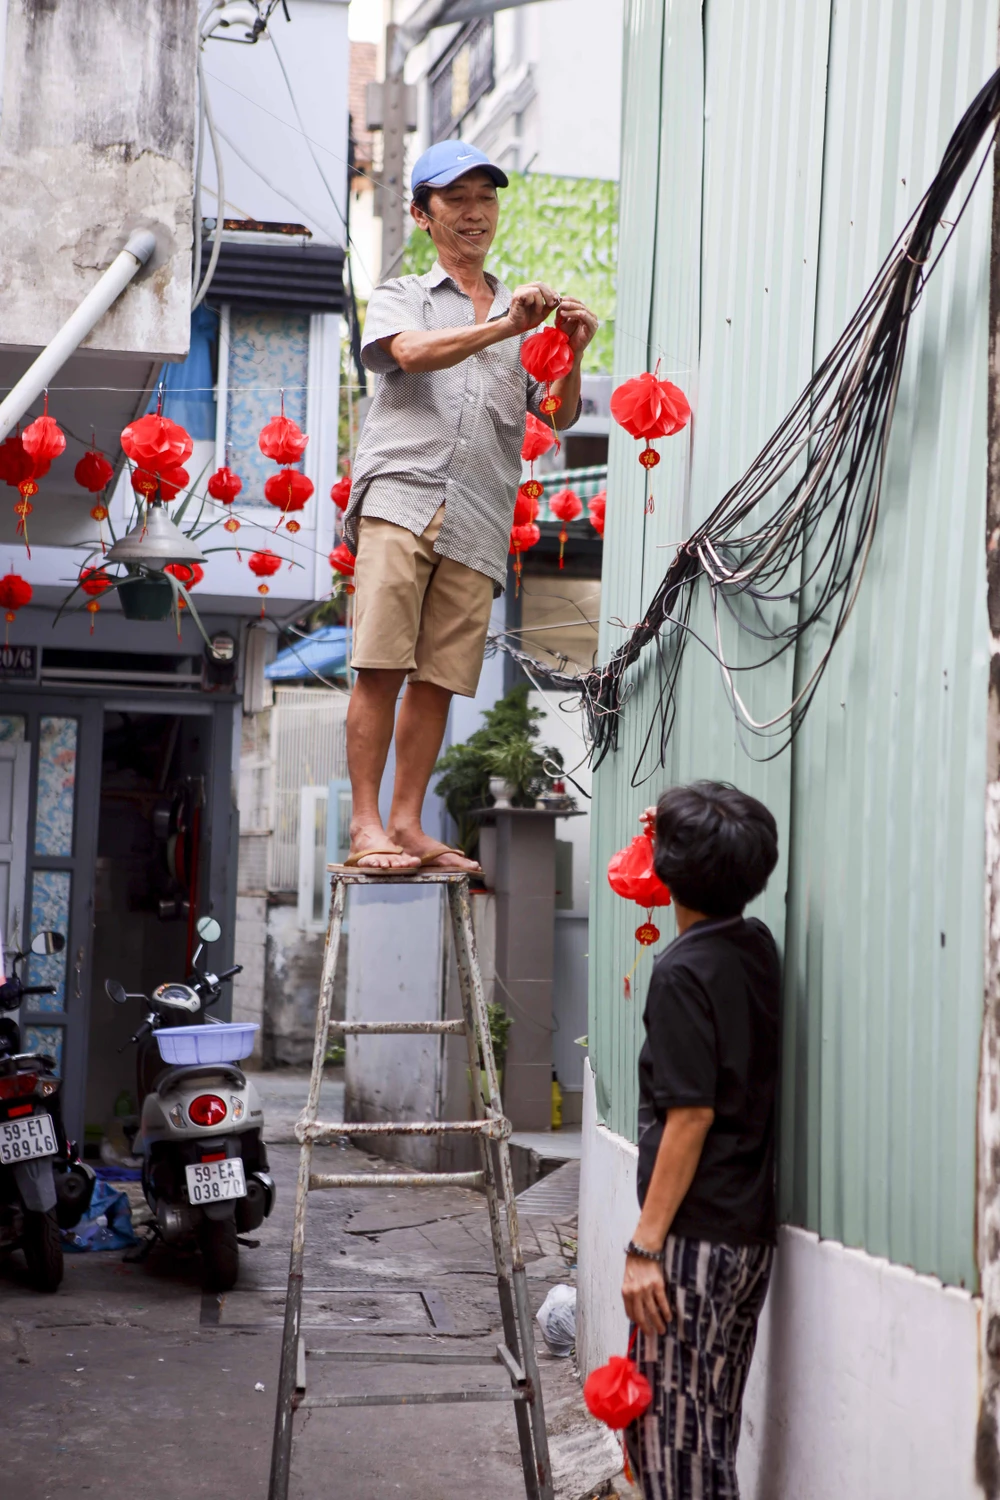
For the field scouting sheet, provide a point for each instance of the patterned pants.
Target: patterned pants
(684, 1446)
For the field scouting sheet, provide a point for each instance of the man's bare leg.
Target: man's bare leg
(420, 728)
(370, 720)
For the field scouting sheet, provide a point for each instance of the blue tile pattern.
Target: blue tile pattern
(50, 892)
(268, 352)
(47, 1039)
(56, 785)
(12, 727)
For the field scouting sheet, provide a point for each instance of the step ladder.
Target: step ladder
(517, 1352)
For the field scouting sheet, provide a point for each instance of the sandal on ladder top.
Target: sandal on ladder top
(428, 861)
(353, 862)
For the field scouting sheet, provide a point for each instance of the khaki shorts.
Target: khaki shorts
(417, 612)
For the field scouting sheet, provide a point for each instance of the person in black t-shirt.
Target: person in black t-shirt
(697, 1268)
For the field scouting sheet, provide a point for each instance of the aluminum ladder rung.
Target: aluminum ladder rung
(329, 1130)
(491, 1129)
(394, 1179)
(399, 1028)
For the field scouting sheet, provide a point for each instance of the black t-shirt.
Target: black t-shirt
(712, 1018)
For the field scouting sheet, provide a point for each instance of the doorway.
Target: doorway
(150, 875)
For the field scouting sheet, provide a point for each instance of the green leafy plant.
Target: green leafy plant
(506, 742)
(500, 1024)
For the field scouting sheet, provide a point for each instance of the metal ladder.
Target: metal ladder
(517, 1352)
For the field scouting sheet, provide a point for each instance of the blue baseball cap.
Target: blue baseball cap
(446, 161)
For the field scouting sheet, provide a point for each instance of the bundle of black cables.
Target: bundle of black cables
(813, 546)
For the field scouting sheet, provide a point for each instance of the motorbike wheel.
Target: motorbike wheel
(220, 1254)
(43, 1249)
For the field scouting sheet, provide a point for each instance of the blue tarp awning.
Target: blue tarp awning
(324, 652)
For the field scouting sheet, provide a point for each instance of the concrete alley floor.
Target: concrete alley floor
(130, 1382)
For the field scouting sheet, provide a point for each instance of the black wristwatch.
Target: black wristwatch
(633, 1249)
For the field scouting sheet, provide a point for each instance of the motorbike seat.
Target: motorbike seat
(187, 1072)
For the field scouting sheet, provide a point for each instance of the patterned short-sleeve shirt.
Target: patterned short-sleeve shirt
(443, 436)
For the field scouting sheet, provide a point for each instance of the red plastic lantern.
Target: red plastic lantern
(172, 481)
(566, 506)
(93, 581)
(526, 504)
(340, 493)
(342, 560)
(264, 564)
(93, 471)
(144, 483)
(617, 1393)
(650, 408)
(521, 538)
(631, 875)
(595, 510)
(288, 490)
(538, 439)
(224, 485)
(187, 573)
(15, 463)
(43, 440)
(15, 593)
(282, 439)
(547, 356)
(157, 444)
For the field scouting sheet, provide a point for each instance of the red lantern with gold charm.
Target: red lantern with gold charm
(547, 356)
(342, 561)
(156, 444)
(289, 490)
(521, 538)
(93, 471)
(187, 573)
(632, 876)
(526, 502)
(93, 582)
(650, 408)
(264, 564)
(566, 506)
(15, 593)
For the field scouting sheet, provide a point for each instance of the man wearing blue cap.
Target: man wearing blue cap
(432, 498)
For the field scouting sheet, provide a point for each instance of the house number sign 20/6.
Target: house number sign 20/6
(19, 663)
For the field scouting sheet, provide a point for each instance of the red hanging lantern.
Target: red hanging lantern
(340, 493)
(15, 593)
(23, 509)
(631, 875)
(538, 439)
(157, 444)
(144, 483)
(617, 1393)
(43, 440)
(342, 560)
(288, 490)
(650, 408)
(521, 538)
(566, 506)
(15, 463)
(172, 481)
(282, 439)
(224, 485)
(595, 510)
(547, 356)
(93, 582)
(93, 471)
(526, 503)
(188, 574)
(264, 564)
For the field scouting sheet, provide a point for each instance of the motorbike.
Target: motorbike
(44, 1186)
(205, 1171)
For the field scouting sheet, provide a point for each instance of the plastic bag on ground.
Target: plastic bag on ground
(557, 1319)
(108, 1225)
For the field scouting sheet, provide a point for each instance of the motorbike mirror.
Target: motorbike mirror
(47, 942)
(116, 991)
(208, 930)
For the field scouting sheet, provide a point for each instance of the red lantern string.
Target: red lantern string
(282, 439)
(224, 485)
(15, 593)
(263, 565)
(23, 510)
(232, 525)
(93, 471)
(43, 440)
(93, 581)
(547, 356)
(631, 875)
(650, 408)
(288, 490)
(340, 493)
(521, 538)
(342, 561)
(566, 506)
(156, 444)
(595, 510)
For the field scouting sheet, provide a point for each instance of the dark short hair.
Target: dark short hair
(715, 846)
(422, 197)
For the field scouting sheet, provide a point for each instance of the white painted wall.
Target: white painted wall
(865, 1384)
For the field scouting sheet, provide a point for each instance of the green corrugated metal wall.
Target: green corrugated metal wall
(771, 154)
